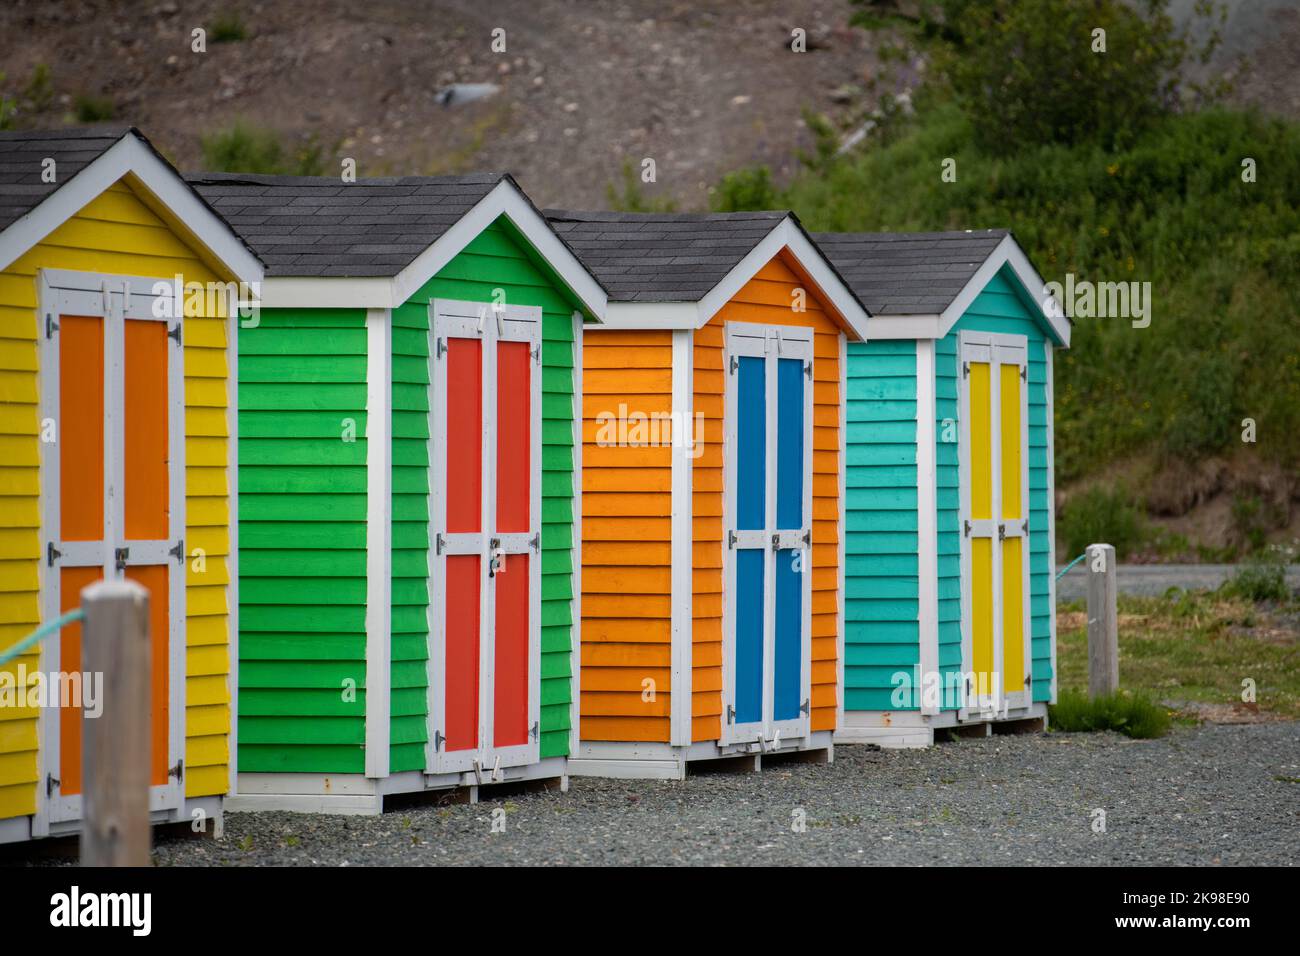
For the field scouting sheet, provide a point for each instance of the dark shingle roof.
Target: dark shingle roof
(661, 257)
(908, 273)
(22, 153)
(320, 226)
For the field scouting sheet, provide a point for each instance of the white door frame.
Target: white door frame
(995, 349)
(769, 342)
(114, 299)
(490, 325)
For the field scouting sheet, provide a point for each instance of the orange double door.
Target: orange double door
(113, 499)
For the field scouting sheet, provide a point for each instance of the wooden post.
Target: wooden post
(116, 744)
(1103, 621)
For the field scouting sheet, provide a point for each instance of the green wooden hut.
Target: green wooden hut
(406, 466)
(949, 587)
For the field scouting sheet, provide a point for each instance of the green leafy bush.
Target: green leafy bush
(1134, 715)
(749, 188)
(89, 108)
(1102, 516)
(247, 149)
(1262, 577)
(227, 27)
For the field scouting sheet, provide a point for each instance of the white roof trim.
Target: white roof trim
(905, 326)
(130, 155)
(695, 315)
(381, 292)
(1008, 252)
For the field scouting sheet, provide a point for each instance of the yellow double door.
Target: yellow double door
(995, 521)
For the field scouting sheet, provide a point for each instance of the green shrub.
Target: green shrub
(1134, 715)
(89, 108)
(749, 188)
(227, 27)
(1102, 516)
(1262, 577)
(247, 149)
(632, 197)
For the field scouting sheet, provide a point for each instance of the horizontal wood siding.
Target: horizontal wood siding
(881, 631)
(302, 540)
(999, 308)
(626, 542)
(766, 299)
(117, 233)
(499, 258)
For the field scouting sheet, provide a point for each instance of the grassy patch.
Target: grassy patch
(243, 148)
(227, 27)
(1134, 715)
(1195, 651)
(92, 109)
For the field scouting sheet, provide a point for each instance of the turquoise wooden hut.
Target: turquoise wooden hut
(949, 585)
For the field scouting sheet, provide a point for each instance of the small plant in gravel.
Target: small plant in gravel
(246, 843)
(1134, 715)
(291, 841)
(92, 109)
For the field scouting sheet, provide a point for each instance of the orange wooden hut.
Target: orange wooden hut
(712, 462)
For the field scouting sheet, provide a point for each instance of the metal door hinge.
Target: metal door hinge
(438, 543)
(176, 333)
(119, 557)
(438, 740)
(51, 784)
(441, 350)
(1029, 679)
(731, 539)
(50, 325)
(178, 552)
(52, 554)
(735, 364)
(967, 523)
(178, 771)
(1024, 372)
(806, 707)
(107, 296)
(965, 369)
(807, 370)
(807, 537)
(731, 714)
(1024, 525)
(534, 730)
(537, 355)
(535, 542)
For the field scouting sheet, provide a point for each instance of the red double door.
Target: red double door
(485, 530)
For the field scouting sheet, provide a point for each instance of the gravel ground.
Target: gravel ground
(1209, 795)
(1152, 580)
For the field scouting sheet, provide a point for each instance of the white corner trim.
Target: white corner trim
(131, 156)
(232, 559)
(575, 658)
(841, 638)
(1050, 354)
(1008, 252)
(927, 539)
(829, 286)
(379, 536)
(682, 538)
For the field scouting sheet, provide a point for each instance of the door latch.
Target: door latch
(52, 554)
(119, 557)
(178, 771)
(1002, 530)
(178, 552)
(776, 541)
(496, 560)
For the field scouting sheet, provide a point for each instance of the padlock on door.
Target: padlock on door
(496, 558)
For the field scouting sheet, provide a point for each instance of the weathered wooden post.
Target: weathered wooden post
(1103, 621)
(115, 749)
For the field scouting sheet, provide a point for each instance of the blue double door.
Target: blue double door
(768, 533)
